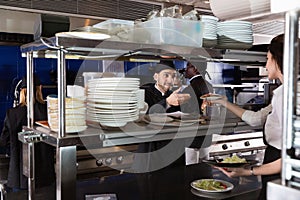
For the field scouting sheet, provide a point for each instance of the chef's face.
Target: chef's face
(272, 67)
(165, 79)
(190, 71)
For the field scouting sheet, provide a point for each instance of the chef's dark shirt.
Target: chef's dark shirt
(15, 119)
(156, 100)
(198, 87)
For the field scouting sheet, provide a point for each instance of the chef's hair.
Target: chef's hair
(38, 96)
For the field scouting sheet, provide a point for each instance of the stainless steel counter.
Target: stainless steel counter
(135, 133)
(62, 48)
(132, 133)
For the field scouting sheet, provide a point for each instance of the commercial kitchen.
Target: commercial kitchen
(92, 59)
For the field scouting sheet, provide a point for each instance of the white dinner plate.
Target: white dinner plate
(228, 186)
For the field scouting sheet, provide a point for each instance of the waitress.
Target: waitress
(270, 170)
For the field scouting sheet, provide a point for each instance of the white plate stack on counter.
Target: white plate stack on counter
(210, 38)
(112, 102)
(74, 113)
(235, 34)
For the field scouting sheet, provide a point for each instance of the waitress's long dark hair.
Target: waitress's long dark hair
(276, 49)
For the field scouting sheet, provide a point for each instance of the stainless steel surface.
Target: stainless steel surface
(66, 172)
(31, 173)
(30, 122)
(289, 183)
(277, 191)
(101, 49)
(291, 53)
(132, 133)
(244, 142)
(61, 78)
(30, 88)
(98, 162)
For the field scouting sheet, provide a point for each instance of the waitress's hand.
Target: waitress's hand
(176, 98)
(221, 101)
(234, 172)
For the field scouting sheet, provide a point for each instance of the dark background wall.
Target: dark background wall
(13, 68)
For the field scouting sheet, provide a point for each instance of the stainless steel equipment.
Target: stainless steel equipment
(243, 143)
(290, 181)
(66, 144)
(105, 161)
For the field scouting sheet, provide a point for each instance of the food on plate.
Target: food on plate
(210, 184)
(234, 159)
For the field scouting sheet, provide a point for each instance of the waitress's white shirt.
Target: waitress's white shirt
(257, 118)
(274, 123)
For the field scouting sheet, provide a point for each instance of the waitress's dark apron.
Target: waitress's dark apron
(271, 154)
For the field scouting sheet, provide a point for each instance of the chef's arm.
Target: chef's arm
(176, 98)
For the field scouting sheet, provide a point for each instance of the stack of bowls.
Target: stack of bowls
(74, 113)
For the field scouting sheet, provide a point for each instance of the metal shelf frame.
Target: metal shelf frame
(62, 48)
(287, 185)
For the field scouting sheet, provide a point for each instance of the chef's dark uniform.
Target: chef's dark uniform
(156, 101)
(157, 104)
(15, 119)
(198, 87)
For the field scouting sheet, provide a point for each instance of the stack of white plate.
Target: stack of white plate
(210, 38)
(113, 101)
(74, 113)
(232, 9)
(235, 34)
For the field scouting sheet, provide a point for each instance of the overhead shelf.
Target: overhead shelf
(78, 48)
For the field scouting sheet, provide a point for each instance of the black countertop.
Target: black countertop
(172, 182)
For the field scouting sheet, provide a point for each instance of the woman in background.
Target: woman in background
(15, 119)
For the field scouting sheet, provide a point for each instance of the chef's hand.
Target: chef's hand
(235, 172)
(176, 98)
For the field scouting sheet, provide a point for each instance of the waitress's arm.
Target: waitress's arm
(238, 111)
(268, 169)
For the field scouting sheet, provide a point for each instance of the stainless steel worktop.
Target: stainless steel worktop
(134, 133)
(62, 48)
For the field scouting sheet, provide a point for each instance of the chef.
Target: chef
(199, 148)
(161, 99)
(159, 95)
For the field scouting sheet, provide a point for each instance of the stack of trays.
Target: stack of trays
(210, 38)
(235, 35)
(74, 112)
(112, 102)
